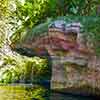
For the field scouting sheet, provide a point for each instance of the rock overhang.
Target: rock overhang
(57, 36)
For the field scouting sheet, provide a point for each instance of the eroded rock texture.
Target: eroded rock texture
(75, 67)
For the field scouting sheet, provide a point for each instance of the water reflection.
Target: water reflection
(24, 92)
(34, 92)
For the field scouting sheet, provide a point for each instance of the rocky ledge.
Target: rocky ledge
(75, 66)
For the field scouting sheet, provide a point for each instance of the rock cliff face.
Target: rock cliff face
(75, 67)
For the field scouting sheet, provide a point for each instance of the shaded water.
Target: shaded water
(37, 92)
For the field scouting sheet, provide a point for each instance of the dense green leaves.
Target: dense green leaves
(3, 14)
(30, 13)
(38, 30)
(26, 15)
(3, 7)
(75, 7)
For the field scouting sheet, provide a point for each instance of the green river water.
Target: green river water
(27, 92)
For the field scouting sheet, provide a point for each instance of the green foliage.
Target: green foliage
(31, 13)
(38, 30)
(4, 7)
(16, 68)
(27, 15)
(2, 38)
(74, 7)
(3, 14)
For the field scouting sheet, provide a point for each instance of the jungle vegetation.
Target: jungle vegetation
(27, 18)
(22, 18)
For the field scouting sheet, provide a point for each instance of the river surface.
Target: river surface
(36, 92)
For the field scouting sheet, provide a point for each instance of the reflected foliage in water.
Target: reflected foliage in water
(21, 92)
(37, 92)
